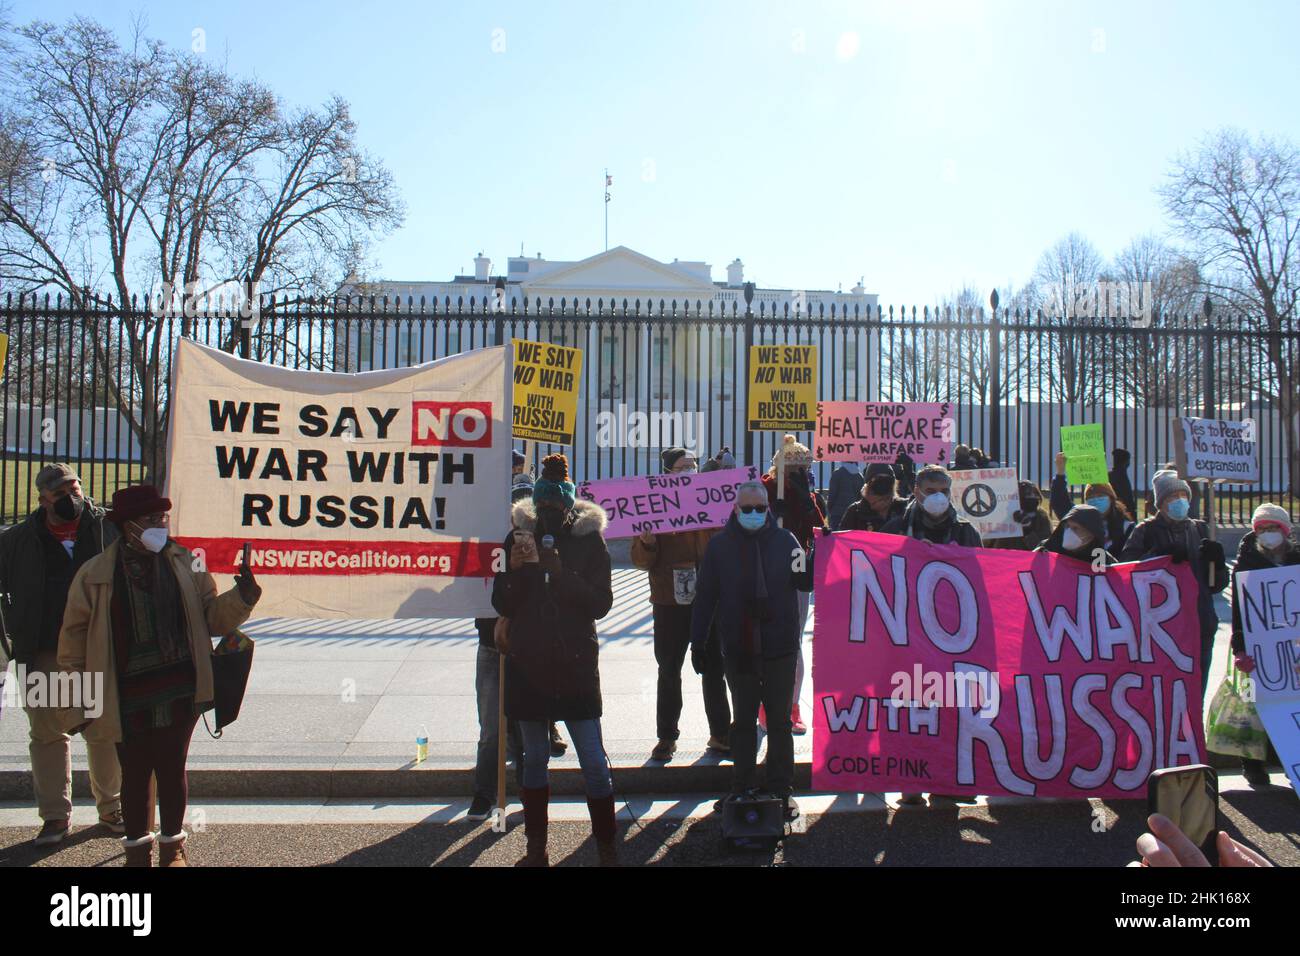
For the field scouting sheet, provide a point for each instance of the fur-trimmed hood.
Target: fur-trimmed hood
(585, 517)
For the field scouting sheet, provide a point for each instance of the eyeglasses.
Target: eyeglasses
(751, 509)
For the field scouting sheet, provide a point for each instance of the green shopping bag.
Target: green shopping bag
(1231, 725)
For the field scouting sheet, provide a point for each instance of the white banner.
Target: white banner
(987, 498)
(1270, 623)
(376, 495)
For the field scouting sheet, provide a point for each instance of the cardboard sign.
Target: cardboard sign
(4, 354)
(867, 432)
(782, 387)
(375, 495)
(1085, 454)
(987, 498)
(546, 391)
(970, 670)
(1270, 624)
(667, 503)
(1217, 449)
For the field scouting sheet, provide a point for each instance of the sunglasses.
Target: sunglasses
(750, 509)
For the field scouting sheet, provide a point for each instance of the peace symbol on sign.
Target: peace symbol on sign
(979, 500)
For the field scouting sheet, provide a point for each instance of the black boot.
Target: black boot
(536, 802)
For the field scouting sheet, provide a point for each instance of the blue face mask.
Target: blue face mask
(752, 521)
(1102, 504)
(1178, 508)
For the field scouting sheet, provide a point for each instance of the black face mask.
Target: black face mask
(69, 507)
(881, 486)
(550, 520)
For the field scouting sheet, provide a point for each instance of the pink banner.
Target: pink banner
(881, 431)
(938, 668)
(666, 503)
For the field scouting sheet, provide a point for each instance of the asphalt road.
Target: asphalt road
(1029, 834)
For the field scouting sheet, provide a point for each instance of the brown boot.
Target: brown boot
(536, 802)
(604, 829)
(139, 852)
(171, 850)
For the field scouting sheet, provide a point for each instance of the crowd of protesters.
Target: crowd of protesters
(95, 591)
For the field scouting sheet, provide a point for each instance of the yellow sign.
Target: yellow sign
(4, 354)
(782, 388)
(546, 391)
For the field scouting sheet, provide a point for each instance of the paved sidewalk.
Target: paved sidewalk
(334, 707)
(353, 696)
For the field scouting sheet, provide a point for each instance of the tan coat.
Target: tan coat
(680, 549)
(85, 643)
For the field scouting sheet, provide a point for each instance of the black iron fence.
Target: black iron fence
(87, 381)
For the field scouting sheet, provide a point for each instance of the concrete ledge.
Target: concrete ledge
(264, 778)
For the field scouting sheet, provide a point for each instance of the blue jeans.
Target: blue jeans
(587, 740)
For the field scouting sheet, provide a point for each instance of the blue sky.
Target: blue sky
(921, 145)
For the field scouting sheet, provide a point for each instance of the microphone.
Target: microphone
(548, 542)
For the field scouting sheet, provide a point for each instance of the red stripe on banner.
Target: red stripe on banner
(456, 559)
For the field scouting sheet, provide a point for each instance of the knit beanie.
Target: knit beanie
(554, 483)
(670, 457)
(1165, 483)
(1271, 512)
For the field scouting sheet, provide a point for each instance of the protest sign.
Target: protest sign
(869, 432)
(546, 380)
(782, 387)
(667, 503)
(965, 670)
(1269, 601)
(1085, 454)
(375, 495)
(987, 498)
(4, 354)
(1216, 449)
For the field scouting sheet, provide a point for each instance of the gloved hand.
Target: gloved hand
(826, 531)
(1179, 553)
(778, 507)
(1212, 552)
(1245, 663)
(249, 590)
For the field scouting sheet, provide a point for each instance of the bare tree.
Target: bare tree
(1237, 201)
(1064, 290)
(137, 167)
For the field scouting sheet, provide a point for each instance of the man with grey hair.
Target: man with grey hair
(930, 516)
(38, 559)
(747, 588)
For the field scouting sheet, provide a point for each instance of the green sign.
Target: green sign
(1085, 454)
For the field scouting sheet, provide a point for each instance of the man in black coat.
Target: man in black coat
(38, 560)
(846, 486)
(746, 586)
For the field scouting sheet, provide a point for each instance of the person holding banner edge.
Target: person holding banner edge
(1173, 532)
(672, 563)
(556, 586)
(1269, 544)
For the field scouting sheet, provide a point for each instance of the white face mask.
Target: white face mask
(1269, 540)
(935, 503)
(154, 539)
(1071, 540)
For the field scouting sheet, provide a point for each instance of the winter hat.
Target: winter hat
(52, 476)
(136, 501)
(1165, 483)
(792, 450)
(1271, 512)
(517, 457)
(879, 469)
(1027, 489)
(670, 457)
(726, 459)
(711, 464)
(1122, 457)
(1098, 488)
(554, 483)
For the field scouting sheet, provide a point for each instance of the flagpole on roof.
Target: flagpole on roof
(608, 183)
